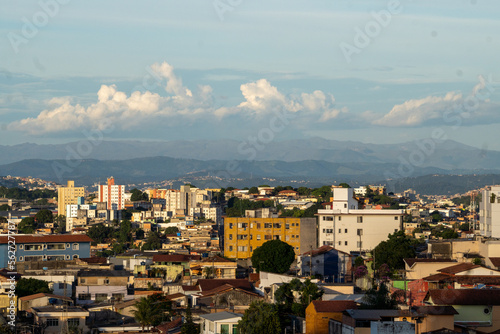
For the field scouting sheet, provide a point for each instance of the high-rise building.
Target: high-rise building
(112, 194)
(68, 195)
(489, 212)
(243, 235)
(349, 229)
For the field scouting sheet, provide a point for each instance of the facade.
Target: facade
(333, 265)
(489, 212)
(112, 194)
(57, 247)
(68, 195)
(221, 322)
(350, 229)
(243, 235)
(59, 319)
(102, 285)
(318, 314)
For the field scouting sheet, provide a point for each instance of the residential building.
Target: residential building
(349, 229)
(42, 299)
(57, 247)
(333, 265)
(489, 212)
(68, 195)
(318, 314)
(220, 322)
(243, 235)
(102, 285)
(112, 194)
(58, 319)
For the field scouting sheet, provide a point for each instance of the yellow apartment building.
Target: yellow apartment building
(243, 235)
(68, 195)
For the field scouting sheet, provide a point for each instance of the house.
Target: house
(215, 266)
(102, 285)
(56, 247)
(333, 265)
(420, 268)
(58, 319)
(220, 322)
(175, 265)
(227, 296)
(42, 299)
(475, 307)
(318, 313)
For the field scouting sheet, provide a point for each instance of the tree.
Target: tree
(189, 327)
(477, 261)
(394, 250)
(31, 286)
(253, 190)
(124, 233)
(152, 242)
(60, 223)
(139, 234)
(260, 317)
(138, 195)
(305, 291)
(378, 299)
(44, 216)
(27, 225)
(273, 256)
(146, 312)
(4, 207)
(344, 185)
(99, 233)
(171, 230)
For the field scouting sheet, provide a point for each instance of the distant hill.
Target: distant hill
(448, 155)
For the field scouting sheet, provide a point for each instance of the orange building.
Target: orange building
(319, 313)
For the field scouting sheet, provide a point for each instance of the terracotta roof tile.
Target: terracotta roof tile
(411, 262)
(210, 284)
(459, 268)
(495, 261)
(41, 294)
(333, 305)
(465, 297)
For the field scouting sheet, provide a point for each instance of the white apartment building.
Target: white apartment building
(113, 195)
(349, 229)
(489, 212)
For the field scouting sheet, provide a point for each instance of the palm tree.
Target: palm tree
(146, 312)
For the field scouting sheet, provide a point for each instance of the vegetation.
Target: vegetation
(189, 327)
(146, 312)
(171, 230)
(25, 194)
(378, 299)
(31, 286)
(273, 256)
(152, 242)
(394, 250)
(296, 212)
(261, 317)
(306, 292)
(236, 207)
(4, 207)
(138, 195)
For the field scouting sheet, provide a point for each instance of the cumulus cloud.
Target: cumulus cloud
(118, 108)
(442, 108)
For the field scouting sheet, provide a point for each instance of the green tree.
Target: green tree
(171, 230)
(189, 327)
(394, 250)
(4, 207)
(44, 216)
(27, 225)
(152, 242)
(344, 185)
(378, 299)
(436, 216)
(100, 233)
(477, 261)
(139, 234)
(138, 195)
(304, 191)
(324, 193)
(253, 190)
(260, 317)
(124, 233)
(31, 286)
(305, 291)
(273, 256)
(60, 223)
(146, 312)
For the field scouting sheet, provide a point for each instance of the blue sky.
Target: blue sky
(168, 70)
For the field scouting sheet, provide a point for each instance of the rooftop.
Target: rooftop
(35, 238)
(221, 316)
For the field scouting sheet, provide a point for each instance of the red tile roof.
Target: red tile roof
(465, 297)
(166, 327)
(322, 250)
(210, 284)
(458, 268)
(190, 288)
(411, 262)
(41, 295)
(495, 261)
(175, 257)
(439, 278)
(216, 259)
(333, 305)
(24, 239)
(94, 259)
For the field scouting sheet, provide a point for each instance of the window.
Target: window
(328, 218)
(329, 230)
(117, 296)
(76, 246)
(258, 236)
(100, 297)
(268, 225)
(251, 248)
(277, 225)
(345, 206)
(33, 258)
(56, 246)
(396, 218)
(82, 280)
(287, 238)
(340, 218)
(340, 243)
(60, 286)
(340, 230)
(224, 329)
(242, 248)
(287, 226)
(251, 236)
(345, 243)
(345, 230)
(277, 237)
(360, 244)
(268, 237)
(32, 247)
(241, 237)
(52, 322)
(230, 237)
(359, 231)
(360, 219)
(230, 225)
(106, 281)
(84, 296)
(230, 248)
(74, 322)
(235, 329)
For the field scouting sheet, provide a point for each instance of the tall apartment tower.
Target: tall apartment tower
(489, 212)
(112, 194)
(68, 195)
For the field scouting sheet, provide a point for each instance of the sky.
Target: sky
(369, 71)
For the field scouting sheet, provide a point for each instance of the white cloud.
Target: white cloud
(122, 110)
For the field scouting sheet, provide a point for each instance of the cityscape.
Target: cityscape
(249, 167)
